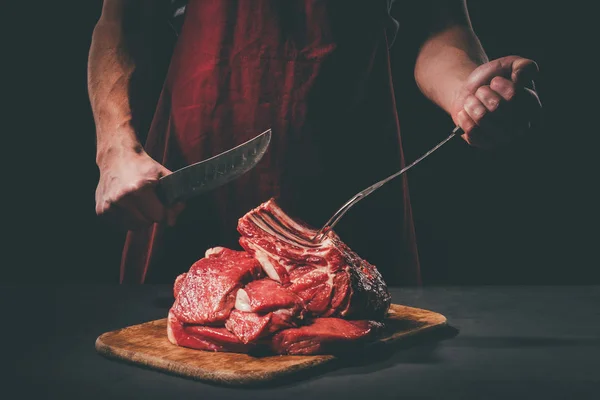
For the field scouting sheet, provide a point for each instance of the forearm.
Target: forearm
(445, 61)
(449, 52)
(109, 74)
(120, 47)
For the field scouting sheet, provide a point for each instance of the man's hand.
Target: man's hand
(494, 106)
(126, 190)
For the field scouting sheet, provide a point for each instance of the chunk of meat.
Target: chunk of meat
(323, 336)
(249, 327)
(331, 279)
(178, 283)
(315, 298)
(207, 292)
(201, 337)
(265, 295)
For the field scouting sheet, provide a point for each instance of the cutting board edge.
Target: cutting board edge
(178, 369)
(433, 319)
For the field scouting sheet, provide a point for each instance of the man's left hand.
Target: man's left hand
(494, 105)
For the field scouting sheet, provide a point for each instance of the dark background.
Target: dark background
(521, 215)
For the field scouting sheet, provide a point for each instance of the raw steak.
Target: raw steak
(249, 327)
(206, 294)
(266, 295)
(263, 307)
(330, 278)
(203, 337)
(323, 335)
(178, 283)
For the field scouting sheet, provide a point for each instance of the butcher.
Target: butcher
(316, 72)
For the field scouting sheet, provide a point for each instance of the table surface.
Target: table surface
(508, 342)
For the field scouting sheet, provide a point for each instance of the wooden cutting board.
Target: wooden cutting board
(146, 345)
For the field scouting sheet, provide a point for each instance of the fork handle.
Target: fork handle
(457, 131)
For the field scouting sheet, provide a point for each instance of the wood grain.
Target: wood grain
(147, 345)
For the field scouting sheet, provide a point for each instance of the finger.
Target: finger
(465, 122)
(511, 114)
(483, 74)
(130, 211)
(488, 97)
(475, 109)
(116, 216)
(505, 88)
(486, 133)
(524, 71)
(149, 204)
(476, 138)
(125, 219)
(510, 67)
(469, 127)
(494, 121)
(474, 135)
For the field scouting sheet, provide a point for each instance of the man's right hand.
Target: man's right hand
(126, 190)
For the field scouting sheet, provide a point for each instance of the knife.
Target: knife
(216, 171)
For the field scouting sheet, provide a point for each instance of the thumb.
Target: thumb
(518, 69)
(524, 71)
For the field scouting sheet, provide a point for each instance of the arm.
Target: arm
(119, 48)
(110, 68)
(449, 55)
(487, 99)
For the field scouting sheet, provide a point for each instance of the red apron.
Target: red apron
(318, 74)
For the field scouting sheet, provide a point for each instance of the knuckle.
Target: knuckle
(475, 110)
(117, 196)
(140, 184)
(482, 91)
(471, 99)
(493, 103)
(496, 81)
(133, 187)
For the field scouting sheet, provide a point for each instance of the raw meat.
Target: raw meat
(282, 293)
(266, 295)
(249, 327)
(201, 337)
(331, 278)
(178, 283)
(323, 335)
(263, 307)
(206, 293)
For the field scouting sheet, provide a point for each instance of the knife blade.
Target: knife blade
(216, 171)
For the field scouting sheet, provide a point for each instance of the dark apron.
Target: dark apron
(318, 74)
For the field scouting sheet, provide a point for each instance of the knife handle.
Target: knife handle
(161, 194)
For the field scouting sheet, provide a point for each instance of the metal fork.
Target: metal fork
(322, 233)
